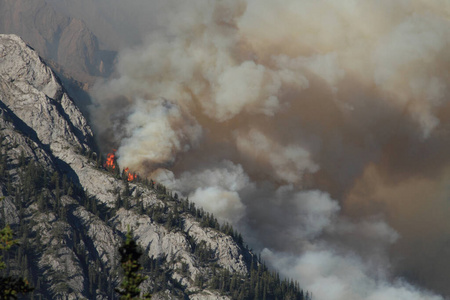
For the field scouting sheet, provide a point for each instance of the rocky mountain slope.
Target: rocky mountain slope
(71, 214)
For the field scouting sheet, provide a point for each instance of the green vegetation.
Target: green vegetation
(129, 259)
(39, 194)
(10, 286)
(261, 283)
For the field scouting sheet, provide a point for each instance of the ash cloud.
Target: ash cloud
(318, 128)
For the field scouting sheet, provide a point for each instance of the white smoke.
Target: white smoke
(329, 275)
(313, 211)
(215, 189)
(157, 130)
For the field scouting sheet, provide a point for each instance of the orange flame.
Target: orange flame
(110, 160)
(130, 176)
(111, 164)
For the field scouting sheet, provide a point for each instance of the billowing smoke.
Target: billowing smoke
(318, 128)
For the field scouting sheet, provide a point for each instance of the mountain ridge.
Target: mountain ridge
(71, 213)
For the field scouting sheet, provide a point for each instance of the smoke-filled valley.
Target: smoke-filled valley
(319, 128)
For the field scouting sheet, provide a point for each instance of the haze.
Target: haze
(319, 128)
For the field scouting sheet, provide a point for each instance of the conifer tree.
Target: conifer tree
(10, 287)
(129, 256)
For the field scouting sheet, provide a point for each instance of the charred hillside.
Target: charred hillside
(70, 213)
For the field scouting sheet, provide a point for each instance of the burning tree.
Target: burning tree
(112, 166)
(110, 163)
(130, 176)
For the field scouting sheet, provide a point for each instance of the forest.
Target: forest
(39, 195)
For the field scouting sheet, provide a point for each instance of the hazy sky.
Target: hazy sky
(319, 128)
(118, 24)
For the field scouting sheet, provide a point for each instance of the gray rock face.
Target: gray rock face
(33, 93)
(74, 230)
(229, 255)
(103, 237)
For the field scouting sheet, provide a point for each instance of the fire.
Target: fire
(111, 164)
(111, 160)
(130, 176)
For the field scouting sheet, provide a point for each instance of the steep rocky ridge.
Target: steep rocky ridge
(71, 214)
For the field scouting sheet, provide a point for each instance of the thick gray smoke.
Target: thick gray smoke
(318, 128)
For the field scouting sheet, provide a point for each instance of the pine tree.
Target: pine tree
(10, 286)
(129, 253)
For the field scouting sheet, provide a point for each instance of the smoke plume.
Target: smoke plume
(318, 128)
